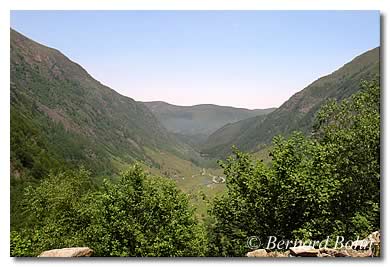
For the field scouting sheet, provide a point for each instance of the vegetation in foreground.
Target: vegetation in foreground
(324, 185)
(140, 215)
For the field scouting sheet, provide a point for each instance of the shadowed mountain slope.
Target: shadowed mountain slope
(60, 115)
(298, 112)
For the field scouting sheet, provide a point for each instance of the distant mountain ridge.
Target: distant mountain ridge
(298, 112)
(199, 119)
(193, 124)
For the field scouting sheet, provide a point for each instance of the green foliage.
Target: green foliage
(138, 216)
(145, 216)
(350, 132)
(325, 185)
(53, 212)
(233, 212)
(29, 148)
(21, 245)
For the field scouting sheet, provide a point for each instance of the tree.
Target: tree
(140, 215)
(326, 184)
(144, 215)
(244, 209)
(350, 132)
(53, 213)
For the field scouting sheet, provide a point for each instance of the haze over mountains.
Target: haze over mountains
(193, 124)
(62, 115)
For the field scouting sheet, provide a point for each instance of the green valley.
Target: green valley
(90, 167)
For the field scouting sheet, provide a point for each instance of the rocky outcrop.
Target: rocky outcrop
(329, 252)
(368, 243)
(259, 253)
(368, 247)
(307, 251)
(304, 251)
(263, 253)
(68, 252)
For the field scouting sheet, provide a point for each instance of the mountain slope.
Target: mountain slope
(61, 116)
(298, 112)
(193, 124)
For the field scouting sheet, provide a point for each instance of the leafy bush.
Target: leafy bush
(140, 215)
(145, 216)
(324, 185)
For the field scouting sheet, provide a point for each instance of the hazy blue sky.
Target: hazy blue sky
(253, 59)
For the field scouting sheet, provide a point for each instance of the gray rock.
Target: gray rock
(341, 253)
(367, 243)
(304, 251)
(68, 252)
(259, 253)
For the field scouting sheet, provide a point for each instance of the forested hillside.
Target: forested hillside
(61, 116)
(298, 112)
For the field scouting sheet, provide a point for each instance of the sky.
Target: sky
(249, 59)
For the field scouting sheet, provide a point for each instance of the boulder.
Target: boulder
(68, 252)
(374, 237)
(324, 255)
(259, 253)
(361, 244)
(326, 252)
(371, 240)
(341, 253)
(360, 253)
(278, 254)
(304, 251)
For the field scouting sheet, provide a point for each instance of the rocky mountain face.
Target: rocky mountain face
(298, 112)
(61, 115)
